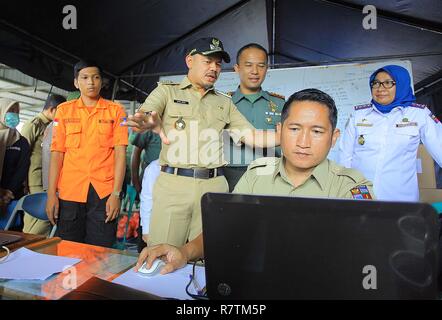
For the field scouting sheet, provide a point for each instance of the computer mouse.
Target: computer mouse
(156, 267)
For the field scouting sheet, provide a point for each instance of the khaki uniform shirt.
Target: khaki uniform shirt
(33, 131)
(328, 180)
(194, 124)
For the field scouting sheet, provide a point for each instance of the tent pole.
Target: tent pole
(273, 30)
(114, 90)
(301, 63)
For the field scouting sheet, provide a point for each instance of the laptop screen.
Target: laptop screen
(269, 247)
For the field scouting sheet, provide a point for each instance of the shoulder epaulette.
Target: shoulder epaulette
(168, 82)
(362, 106)
(418, 105)
(262, 162)
(280, 96)
(353, 174)
(223, 94)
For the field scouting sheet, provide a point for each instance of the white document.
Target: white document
(25, 264)
(171, 285)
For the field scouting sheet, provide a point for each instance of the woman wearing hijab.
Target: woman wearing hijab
(14, 154)
(381, 138)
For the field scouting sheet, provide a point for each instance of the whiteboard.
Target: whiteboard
(347, 84)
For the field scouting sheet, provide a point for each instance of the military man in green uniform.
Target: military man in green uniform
(33, 131)
(190, 117)
(260, 107)
(307, 133)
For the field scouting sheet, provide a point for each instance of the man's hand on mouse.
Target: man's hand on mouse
(174, 257)
(142, 121)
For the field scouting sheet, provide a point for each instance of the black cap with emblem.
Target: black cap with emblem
(208, 46)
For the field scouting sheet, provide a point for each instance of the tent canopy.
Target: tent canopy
(136, 41)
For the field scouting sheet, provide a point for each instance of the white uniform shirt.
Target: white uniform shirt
(384, 147)
(151, 174)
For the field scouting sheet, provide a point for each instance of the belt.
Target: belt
(198, 173)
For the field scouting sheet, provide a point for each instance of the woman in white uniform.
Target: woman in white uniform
(381, 138)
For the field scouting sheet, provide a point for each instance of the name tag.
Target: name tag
(106, 121)
(181, 101)
(72, 120)
(406, 124)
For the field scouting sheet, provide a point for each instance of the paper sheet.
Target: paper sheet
(25, 264)
(172, 285)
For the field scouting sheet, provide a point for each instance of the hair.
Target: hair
(248, 46)
(53, 101)
(312, 95)
(84, 64)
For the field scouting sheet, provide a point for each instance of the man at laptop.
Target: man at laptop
(307, 132)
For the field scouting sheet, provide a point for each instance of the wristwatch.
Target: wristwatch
(118, 194)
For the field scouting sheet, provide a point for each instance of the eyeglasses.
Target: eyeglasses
(387, 84)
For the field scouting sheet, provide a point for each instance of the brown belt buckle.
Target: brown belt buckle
(201, 173)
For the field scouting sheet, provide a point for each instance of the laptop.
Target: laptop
(270, 247)
(6, 238)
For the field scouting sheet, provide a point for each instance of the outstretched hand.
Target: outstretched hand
(141, 122)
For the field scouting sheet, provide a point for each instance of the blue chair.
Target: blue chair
(33, 204)
(4, 219)
(437, 206)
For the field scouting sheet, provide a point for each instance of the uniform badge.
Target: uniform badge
(405, 120)
(435, 119)
(180, 101)
(272, 106)
(269, 119)
(361, 193)
(180, 124)
(55, 122)
(364, 123)
(361, 140)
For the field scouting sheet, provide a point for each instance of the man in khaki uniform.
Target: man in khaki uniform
(193, 114)
(307, 133)
(33, 131)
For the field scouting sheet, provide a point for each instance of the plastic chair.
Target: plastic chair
(131, 194)
(438, 207)
(5, 218)
(33, 204)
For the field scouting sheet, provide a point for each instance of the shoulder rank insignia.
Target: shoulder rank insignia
(361, 193)
(435, 119)
(223, 94)
(362, 106)
(418, 105)
(280, 96)
(261, 162)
